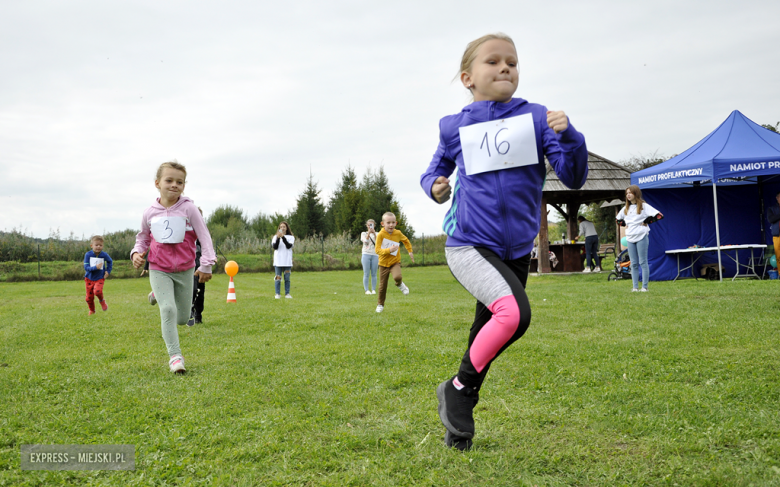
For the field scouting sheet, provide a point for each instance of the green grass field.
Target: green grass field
(678, 386)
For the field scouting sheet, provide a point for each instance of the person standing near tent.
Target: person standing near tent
(588, 231)
(773, 215)
(636, 216)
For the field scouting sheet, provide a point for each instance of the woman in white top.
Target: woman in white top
(369, 259)
(282, 244)
(636, 216)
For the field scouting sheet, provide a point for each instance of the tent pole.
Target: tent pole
(760, 180)
(543, 249)
(717, 228)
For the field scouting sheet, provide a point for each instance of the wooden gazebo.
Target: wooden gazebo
(606, 181)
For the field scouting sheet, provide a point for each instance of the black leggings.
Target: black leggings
(490, 279)
(198, 296)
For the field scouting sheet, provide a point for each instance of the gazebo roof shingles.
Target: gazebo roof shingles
(606, 180)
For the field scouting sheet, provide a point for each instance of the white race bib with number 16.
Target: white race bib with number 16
(169, 229)
(499, 144)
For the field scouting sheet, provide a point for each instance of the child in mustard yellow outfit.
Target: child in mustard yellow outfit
(388, 243)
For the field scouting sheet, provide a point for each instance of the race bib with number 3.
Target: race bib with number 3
(499, 144)
(169, 229)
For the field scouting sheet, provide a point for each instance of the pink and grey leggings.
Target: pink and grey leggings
(503, 312)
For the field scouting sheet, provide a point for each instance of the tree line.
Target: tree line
(344, 215)
(352, 203)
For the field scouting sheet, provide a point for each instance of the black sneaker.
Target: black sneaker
(191, 321)
(198, 319)
(456, 409)
(459, 442)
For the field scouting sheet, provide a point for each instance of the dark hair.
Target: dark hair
(581, 218)
(289, 231)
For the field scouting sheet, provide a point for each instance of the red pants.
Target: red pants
(94, 288)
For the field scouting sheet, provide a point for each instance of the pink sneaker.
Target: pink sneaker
(104, 305)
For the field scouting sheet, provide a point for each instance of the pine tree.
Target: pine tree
(400, 217)
(308, 218)
(379, 198)
(344, 207)
(378, 195)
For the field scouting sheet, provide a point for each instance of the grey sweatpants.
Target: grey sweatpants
(173, 291)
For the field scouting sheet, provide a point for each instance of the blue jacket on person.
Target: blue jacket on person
(92, 272)
(500, 209)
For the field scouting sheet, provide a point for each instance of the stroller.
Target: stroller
(622, 267)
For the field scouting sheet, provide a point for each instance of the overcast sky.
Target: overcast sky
(253, 95)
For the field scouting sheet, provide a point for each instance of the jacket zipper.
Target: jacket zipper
(172, 255)
(491, 116)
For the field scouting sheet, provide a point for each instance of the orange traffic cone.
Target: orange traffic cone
(231, 292)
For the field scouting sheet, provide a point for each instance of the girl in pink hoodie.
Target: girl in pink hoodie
(169, 229)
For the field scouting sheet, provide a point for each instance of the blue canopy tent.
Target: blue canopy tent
(741, 158)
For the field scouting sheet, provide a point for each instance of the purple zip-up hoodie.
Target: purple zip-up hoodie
(500, 210)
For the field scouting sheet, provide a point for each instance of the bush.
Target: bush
(17, 246)
(10, 267)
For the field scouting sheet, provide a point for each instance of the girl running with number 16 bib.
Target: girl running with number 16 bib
(498, 145)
